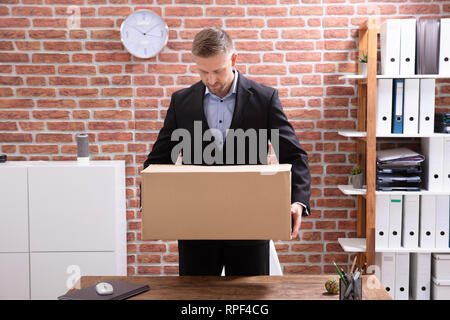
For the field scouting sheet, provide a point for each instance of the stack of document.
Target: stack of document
(399, 170)
(442, 122)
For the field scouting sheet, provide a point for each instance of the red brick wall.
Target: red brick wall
(56, 82)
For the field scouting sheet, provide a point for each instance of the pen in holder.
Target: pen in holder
(352, 292)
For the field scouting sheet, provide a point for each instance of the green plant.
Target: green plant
(363, 59)
(356, 170)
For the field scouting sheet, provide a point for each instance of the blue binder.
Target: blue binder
(397, 105)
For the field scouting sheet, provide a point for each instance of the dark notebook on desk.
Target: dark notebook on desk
(122, 290)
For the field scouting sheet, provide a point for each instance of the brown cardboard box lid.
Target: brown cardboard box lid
(263, 169)
(216, 202)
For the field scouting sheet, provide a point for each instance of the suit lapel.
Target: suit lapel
(199, 111)
(242, 96)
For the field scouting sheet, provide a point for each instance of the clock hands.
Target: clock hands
(145, 33)
(137, 29)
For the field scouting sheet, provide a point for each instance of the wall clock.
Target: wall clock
(144, 34)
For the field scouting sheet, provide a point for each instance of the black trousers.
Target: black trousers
(208, 257)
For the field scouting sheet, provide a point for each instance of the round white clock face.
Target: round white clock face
(144, 34)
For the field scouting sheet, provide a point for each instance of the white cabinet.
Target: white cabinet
(14, 276)
(13, 209)
(74, 199)
(67, 219)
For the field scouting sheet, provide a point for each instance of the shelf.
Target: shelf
(415, 76)
(414, 193)
(413, 135)
(359, 245)
(353, 134)
(382, 76)
(353, 244)
(353, 76)
(349, 190)
(363, 134)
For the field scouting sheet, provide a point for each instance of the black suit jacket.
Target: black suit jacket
(258, 107)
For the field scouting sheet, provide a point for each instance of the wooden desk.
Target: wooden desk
(304, 287)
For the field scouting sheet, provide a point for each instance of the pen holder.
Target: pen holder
(355, 292)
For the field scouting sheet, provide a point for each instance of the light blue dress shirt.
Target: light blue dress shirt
(219, 113)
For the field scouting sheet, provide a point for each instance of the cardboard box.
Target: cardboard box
(182, 202)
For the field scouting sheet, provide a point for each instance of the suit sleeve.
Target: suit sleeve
(290, 151)
(162, 149)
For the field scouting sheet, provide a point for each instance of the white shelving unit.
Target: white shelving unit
(355, 245)
(414, 76)
(380, 76)
(349, 190)
(366, 141)
(362, 134)
(359, 245)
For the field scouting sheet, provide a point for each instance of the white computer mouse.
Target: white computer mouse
(104, 288)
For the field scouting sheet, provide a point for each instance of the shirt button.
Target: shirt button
(220, 121)
(221, 100)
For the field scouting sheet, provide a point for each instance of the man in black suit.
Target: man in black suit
(224, 99)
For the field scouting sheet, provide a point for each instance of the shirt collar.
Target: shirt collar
(232, 89)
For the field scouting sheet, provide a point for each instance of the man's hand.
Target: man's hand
(296, 212)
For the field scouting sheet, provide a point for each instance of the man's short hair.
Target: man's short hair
(210, 42)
